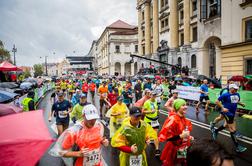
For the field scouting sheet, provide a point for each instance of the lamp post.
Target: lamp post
(14, 50)
(45, 65)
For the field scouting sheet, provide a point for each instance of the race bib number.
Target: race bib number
(155, 123)
(62, 114)
(136, 160)
(92, 158)
(234, 99)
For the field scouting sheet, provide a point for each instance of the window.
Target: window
(249, 66)
(179, 61)
(136, 48)
(162, 24)
(248, 30)
(143, 50)
(127, 48)
(166, 22)
(193, 61)
(117, 49)
(210, 8)
(194, 34)
(194, 5)
(181, 16)
(181, 39)
(143, 33)
(142, 15)
(164, 3)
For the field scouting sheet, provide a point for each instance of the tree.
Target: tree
(38, 70)
(4, 54)
(27, 74)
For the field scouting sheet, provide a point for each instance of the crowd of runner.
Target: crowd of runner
(132, 114)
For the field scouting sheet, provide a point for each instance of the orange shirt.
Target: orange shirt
(102, 90)
(85, 138)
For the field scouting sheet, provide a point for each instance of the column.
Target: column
(147, 28)
(155, 26)
(132, 69)
(186, 22)
(173, 23)
(123, 69)
(140, 34)
(218, 62)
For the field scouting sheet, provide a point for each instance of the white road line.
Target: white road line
(206, 126)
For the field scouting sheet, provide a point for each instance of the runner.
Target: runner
(150, 109)
(169, 104)
(146, 97)
(102, 92)
(176, 130)
(228, 103)
(71, 89)
(165, 87)
(87, 138)
(76, 114)
(112, 97)
(92, 88)
(138, 90)
(119, 112)
(61, 110)
(55, 94)
(84, 87)
(76, 97)
(159, 91)
(63, 85)
(131, 139)
(127, 96)
(203, 96)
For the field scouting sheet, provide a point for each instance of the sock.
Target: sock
(220, 128)
(234, 139)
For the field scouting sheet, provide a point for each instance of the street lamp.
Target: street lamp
(14, 50)
(45, 65)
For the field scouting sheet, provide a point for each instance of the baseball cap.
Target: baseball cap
(119, 98)
(60, 94)
(135, 111)
(233, 86)
(90, 112)
(77, 90)
(83, 95)
(147, 90)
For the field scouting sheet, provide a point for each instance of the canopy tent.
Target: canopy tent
(24, 138)
(6, 66)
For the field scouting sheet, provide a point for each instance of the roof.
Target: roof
(121, 24)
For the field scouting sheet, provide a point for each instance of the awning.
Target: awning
(6, 66)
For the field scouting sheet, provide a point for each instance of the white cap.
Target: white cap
(233, 86)
(90, 112)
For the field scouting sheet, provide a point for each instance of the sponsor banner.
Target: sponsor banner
(188, 92)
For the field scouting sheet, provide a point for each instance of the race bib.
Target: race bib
(234, 99)
(92, 158)
(154, 123)
(136, 160)
(181, 153)
(62, 114)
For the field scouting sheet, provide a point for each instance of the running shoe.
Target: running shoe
(238, 134)
(214, 134)
(240, 149)
(157, 153)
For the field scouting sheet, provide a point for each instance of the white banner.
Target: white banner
(188, 92)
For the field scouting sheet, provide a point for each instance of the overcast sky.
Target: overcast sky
(39, 28)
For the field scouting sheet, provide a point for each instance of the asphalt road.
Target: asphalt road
(200, 130)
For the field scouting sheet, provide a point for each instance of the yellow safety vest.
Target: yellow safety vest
(25, 103)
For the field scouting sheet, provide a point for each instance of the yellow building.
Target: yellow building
(236, 39)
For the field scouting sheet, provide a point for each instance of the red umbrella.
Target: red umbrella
(24, 138)
(6, 66)
(157, 77)
(6, 109)
(238, 78)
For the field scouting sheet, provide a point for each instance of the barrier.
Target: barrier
(192, 93)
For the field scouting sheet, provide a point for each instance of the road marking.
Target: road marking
(206, 126)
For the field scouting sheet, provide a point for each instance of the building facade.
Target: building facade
(183, 32)
(93, 53)
(236, 38)
(114, 47)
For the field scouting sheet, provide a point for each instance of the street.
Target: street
(200, 130)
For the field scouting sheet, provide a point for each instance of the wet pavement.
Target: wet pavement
(200, 130)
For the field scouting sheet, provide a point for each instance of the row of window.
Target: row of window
(193, 61)
(117, 49)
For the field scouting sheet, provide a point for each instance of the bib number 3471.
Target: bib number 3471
(92, 158)
(136, 160)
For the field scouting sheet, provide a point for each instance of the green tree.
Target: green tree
(38, 70)
(27, 74)
(4, 54)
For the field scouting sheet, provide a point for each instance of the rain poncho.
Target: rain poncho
(116, 121)
(128, 135)
(79, 137)
(173, 126)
